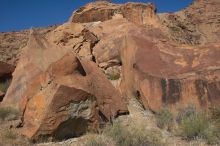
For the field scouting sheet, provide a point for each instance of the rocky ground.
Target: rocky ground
(63, 81)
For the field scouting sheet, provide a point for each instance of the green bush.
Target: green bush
(198, 125)
(8, 112)
(165, 119)
(136, 135)
(186, 112)
(4, 85)
(194, 126)
(114, 76)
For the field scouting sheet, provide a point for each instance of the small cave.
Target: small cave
(5, 82)
(71, 128)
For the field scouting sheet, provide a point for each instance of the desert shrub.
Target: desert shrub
(9, 134)
(114, 76)
(136, 135)
(215, 114)
(143, 137)
(197, 125)
(194, 126)
(186, 112)
(96, 140)
(4, 85)
(7, 112)
(164, 119)
(215, 117)
(118, 133)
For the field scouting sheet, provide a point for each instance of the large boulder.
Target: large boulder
(27, 77)
(59, 94)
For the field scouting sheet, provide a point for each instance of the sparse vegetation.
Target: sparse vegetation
(114, 76)
(195, 124)
(165, 119)
(9, 134)
(4, 85)
(96, 140)
(8, 112)
(136, 135)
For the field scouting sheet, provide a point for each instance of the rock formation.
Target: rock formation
(169, 59)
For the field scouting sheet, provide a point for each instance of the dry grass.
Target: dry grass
(136, 135)
(165, 119)
(98, 140)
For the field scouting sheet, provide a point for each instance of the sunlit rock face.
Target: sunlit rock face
(82, 73)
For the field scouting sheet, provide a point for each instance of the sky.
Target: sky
(24, 14)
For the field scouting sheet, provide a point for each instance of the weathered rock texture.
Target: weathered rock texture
(12, 42)
(170, 59)
(57, 91)
(138, 13)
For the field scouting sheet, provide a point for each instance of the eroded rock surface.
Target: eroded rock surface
(138, 13)
(12, 42)
(61, 80)
(60, 92)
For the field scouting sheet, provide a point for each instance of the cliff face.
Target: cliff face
(196, 24)
(164, 59)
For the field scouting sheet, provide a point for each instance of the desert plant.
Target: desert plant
(194, 126)
(114, 76)
(215, 117)
(136, 135)
(96, 140)
(118, 133)
(145, 137)
(198, 126)
(188, 111)
(4, 85)
(9, 134)
(165, 119)
(6, 112)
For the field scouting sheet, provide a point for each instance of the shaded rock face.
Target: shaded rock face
(1, 95)
(78, 75)
(60, 91)
(6, 71)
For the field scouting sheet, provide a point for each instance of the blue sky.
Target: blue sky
(24, 14)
